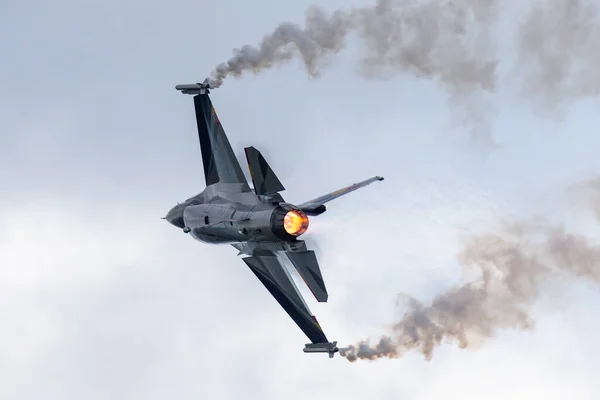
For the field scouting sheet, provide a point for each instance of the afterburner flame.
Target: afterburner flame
(295, 222)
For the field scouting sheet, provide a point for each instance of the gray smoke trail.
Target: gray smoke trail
(429, 39)
(447, 41)
(512, 269)
(450, 41)
(558, 51)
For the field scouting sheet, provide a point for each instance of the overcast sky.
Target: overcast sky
(101, 299)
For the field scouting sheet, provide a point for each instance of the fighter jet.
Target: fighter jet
(257, 221)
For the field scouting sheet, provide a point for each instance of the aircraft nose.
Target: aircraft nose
(175, 216)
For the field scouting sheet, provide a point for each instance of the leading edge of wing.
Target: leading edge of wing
(274, 276)
(219, 160)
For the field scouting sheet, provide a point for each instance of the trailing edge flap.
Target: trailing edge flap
(264, 179)
(308, 267)
(268, 269)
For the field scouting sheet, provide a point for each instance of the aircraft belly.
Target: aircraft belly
(215, 236)
(226, 224)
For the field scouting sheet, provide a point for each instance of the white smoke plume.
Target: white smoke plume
(430, 39)
(558, 51)
(512, 269)
(448, 40)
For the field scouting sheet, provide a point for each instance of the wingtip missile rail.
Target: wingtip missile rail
(195, 88)
(330, 348)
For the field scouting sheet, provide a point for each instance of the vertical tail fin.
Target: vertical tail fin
(220, 163)
(263, 178)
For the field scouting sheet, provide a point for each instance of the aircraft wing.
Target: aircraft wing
(317, 206)
(219, 160)
(275, 277)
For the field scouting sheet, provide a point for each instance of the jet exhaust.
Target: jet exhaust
(512, 268)
(295, 222)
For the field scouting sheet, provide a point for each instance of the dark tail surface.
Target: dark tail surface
(263, 178)
(220, 163)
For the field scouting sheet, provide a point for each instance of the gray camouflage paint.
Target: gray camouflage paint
(228, 211)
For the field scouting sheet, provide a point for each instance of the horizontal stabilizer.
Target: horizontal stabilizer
(317, 206)
(308, 267)
(264, 179)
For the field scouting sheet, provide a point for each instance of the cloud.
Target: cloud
(97, 311)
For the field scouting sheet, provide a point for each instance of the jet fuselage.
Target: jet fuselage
(256, 220)
(251, 218)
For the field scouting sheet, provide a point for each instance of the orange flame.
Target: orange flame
(295, 222)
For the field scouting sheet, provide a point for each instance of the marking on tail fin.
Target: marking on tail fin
(214, 113)
(316, 322)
